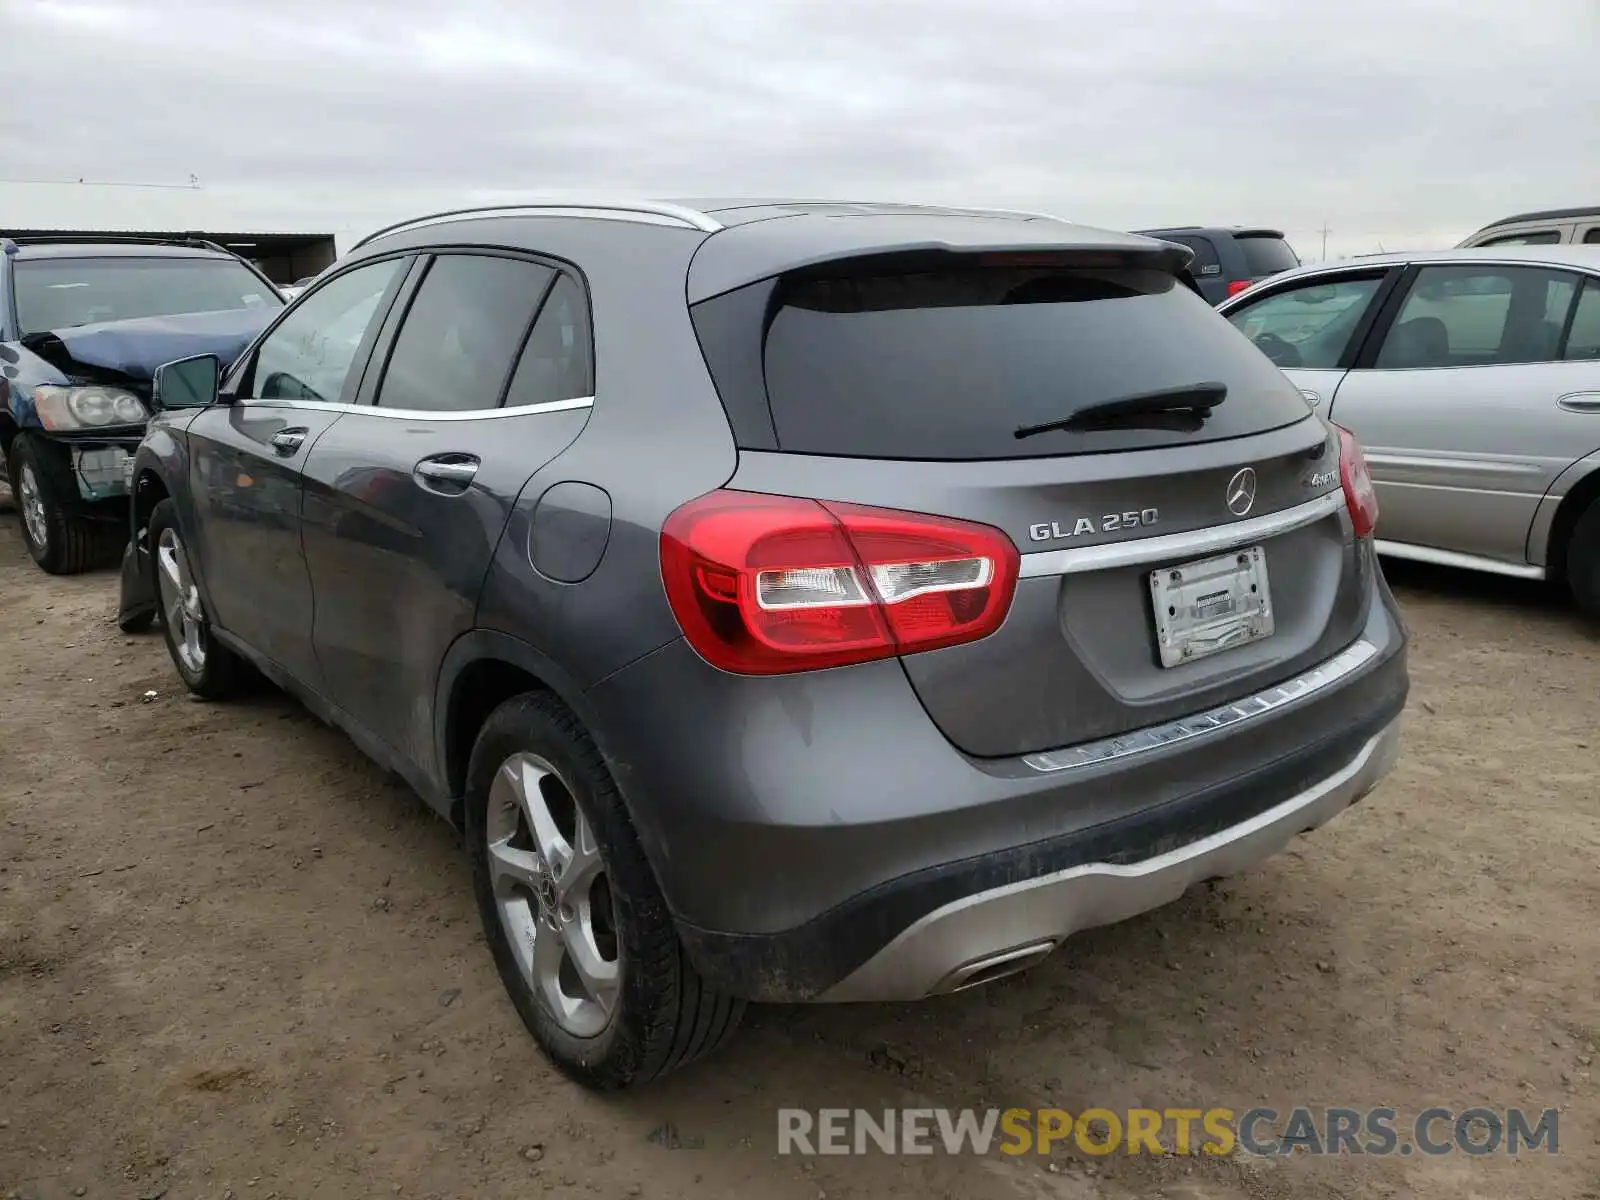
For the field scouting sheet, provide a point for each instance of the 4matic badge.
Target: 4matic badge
(1049, 531)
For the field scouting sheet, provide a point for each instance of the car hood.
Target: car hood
(135, 348)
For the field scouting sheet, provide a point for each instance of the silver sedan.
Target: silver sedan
(1472, 377)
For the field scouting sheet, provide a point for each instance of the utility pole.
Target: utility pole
(1325, 232)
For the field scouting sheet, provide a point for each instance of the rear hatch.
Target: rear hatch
(946, 383)
(1265, 252)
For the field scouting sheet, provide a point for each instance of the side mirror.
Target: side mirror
(187, 383)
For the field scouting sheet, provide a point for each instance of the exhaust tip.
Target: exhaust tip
(992, 967)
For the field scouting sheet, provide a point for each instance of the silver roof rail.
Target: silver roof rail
(669, 213)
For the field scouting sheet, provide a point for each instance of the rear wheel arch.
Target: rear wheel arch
(1579, 498)
(483, 669)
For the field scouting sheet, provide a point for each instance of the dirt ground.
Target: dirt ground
(236, 960)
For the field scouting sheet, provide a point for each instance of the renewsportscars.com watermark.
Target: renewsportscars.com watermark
(1262, 1132)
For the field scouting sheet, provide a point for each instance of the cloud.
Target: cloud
(1413, 121)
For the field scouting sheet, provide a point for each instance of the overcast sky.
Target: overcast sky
(1400, 122)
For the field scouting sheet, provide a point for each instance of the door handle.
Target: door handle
(1580, 402)
(287, 441)
(453, 471)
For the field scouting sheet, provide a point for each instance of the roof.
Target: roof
(1587, 257)
(114, 250)
(738, 242)
(1548, 214)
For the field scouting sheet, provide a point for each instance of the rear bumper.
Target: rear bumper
(993, 932)
(816, 837)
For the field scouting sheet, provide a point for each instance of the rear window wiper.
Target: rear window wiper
(1182, 408)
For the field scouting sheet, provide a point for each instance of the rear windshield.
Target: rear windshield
(949, 364)
(58, 293)
(1266, 255)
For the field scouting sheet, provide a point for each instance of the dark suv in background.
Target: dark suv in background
(1226, 261)
(83, 323)
(790, 601)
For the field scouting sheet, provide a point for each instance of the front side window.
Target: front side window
(1478, 316)
(309, 355)
(63, 293)
(1310, 326)
(462, 332)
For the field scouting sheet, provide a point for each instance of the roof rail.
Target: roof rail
(689, 217)
(193, 240)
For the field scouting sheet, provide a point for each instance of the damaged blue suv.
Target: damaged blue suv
(83, 326)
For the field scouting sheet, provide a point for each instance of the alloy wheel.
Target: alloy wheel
(32, 503)
(180, 601)
(552, 894)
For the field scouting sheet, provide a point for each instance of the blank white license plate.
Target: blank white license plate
(1206, 607)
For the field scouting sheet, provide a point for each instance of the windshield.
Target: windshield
(58, 293)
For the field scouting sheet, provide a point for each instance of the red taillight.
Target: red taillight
(1235, 286)
(765, 585)
(1359, 493)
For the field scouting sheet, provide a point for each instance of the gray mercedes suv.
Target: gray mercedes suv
(788, 601)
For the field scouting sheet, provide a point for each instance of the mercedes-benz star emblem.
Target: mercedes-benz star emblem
(1242, 492)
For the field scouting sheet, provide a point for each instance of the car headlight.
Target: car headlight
(68, 408)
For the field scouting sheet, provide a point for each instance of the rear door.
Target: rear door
(1457, 401)
(246, 457)
(407, 496)
(942, 387)
(1312, 327)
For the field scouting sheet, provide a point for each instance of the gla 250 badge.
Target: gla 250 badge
(1049, 531)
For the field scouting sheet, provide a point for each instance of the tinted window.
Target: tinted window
(555, 364)
(1542, 237)
(1478, 316)
(57, 293)
(1583, 341)
(461, 333)
(1591, 237)
(308, 356)
(948, 363)
(1310, 326)
(1205, 254)
(1266, 255)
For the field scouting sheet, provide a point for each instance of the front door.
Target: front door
(406, 500)
(1458, 406)
(1311, 328)
(246, 458)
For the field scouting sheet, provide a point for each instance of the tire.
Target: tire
(662, 1015)
(1583, 561)
(60, 540)
(207, 667)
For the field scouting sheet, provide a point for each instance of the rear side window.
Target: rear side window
(1583, 339)
(1205, 261)
(462, 332)
(556, 364)
(1266, 255)
(1478, 316)
(948, 363)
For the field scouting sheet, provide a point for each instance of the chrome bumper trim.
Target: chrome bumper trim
(1349, 660)
(932, 954)
(1196, 543)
